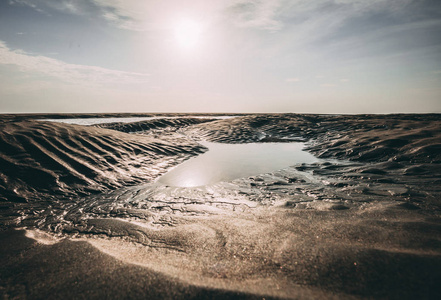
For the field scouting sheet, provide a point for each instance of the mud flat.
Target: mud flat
(85, 211)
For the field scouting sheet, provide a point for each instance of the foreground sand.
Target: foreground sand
(82, 217)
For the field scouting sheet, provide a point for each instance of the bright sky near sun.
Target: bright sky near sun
(188, 33)
(315, 56)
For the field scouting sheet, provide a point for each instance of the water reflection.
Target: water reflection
(225, 162)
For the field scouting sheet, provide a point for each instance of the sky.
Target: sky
(300, 56)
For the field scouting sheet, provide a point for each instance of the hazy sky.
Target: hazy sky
(317, 56)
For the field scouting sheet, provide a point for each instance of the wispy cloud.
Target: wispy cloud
(70, 73)
(256, 14)
(29, 3)
(107, 10)
(42, 6)
(292, 79)
(140, 15)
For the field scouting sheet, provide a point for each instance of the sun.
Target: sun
(188, 33)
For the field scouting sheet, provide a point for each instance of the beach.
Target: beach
(84, 212)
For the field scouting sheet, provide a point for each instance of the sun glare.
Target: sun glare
(188, 33)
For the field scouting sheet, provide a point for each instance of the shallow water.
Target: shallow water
(225, 162)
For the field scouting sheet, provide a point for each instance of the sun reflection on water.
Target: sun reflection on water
(225, 162)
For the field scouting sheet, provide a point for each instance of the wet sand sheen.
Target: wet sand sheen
(226, 162)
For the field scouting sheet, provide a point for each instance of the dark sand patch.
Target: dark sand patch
(76, 269)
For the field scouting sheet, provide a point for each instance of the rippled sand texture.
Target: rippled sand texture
(362, 222)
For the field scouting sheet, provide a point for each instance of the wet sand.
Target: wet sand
(82, 215)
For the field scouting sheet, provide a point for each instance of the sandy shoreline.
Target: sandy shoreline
(364, 222)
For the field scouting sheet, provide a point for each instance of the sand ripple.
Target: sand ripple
(67, 160)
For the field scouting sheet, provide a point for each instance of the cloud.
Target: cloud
(26, 3)
(70, 73)
(292, 79)
(139, 15)
(338, 27)
(256, 14)
(143, 15)
(107, 10)
(70, 6)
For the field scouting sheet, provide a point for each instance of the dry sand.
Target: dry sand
(82, 217)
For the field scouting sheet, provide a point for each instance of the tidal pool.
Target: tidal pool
(225, 162)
